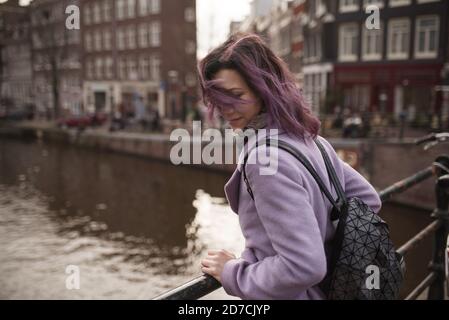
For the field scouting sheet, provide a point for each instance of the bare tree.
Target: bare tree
(53, 36)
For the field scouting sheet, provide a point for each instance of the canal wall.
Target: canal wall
(382, 162)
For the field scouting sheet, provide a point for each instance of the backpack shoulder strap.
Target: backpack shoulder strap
(331, 172)
(301, 158)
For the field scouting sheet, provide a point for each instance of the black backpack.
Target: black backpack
(362, 263)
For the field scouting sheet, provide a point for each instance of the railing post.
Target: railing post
(436, 289)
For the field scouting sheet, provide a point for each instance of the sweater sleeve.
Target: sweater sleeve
(284, 209)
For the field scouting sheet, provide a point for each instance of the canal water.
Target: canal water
(134, 228)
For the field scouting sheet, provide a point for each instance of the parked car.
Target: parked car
(83, 121)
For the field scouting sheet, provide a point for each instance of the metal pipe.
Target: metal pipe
(419, 237)
(192, 290)
(405, 184)
(421, 287)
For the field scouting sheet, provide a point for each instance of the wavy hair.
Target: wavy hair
(266, 75)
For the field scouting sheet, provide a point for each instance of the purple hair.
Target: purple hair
(266, 75)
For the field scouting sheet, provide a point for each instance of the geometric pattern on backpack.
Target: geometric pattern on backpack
(365, 242)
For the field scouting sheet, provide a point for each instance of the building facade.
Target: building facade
(16, 89)
(56, 58)
(139, 49)
(395, 67)
(278, 22)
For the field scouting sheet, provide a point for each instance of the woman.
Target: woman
(287, 225)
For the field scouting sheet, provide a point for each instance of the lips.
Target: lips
(234, 120)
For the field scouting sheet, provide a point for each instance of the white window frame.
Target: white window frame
(349, 7)
(399, 3)
(378, 3)
(97, 13)
(120, 9)
(143, 35)
(87, 15)
(107, 10)
(427, 54)
(144, 66)
(155, 6)
(155, 34)
(371, 56)
(342, 56)
(190, 14)
(401, 55)
(98, 39)
(155, 67)
(131, 37)
(121, 43)
(107, 39)
(143, 7)
(131, 8)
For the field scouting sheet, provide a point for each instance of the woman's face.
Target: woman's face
(234, 83)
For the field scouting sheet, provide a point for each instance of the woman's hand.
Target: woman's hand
(214, 262)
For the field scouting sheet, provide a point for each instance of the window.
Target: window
(144, 67)
(132, 69)
(122, 68)
(120, 9)
(189, 14)
(190, 79)
(121, 39)
(155, 34)
(107, 10)
(97, 13)
(99, 68)
(155, 65)
(89, 69)
(377, 3)
(131, 37)
(131, 8)
(190, 47)
(313, 47)
(109, 68)
(97, 41)
(397, 3)
(426, 37)
(398, 39)
(107, 40)
(349, 5)
(143, 35)
(372, 44)
(87, 20)
(155, 6)
(143, 7)
(88, 42)
(348, 42)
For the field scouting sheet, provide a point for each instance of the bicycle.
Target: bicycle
(440, 262)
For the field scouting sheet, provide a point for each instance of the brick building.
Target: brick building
(56, 58)
(134, 49)
(16, 89)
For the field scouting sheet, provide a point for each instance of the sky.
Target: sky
(213, 19)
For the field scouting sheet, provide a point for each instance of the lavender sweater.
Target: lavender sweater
(287, 226)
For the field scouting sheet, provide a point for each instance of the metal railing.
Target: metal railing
(205, 284)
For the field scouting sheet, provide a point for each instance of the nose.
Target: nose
(227, 111)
